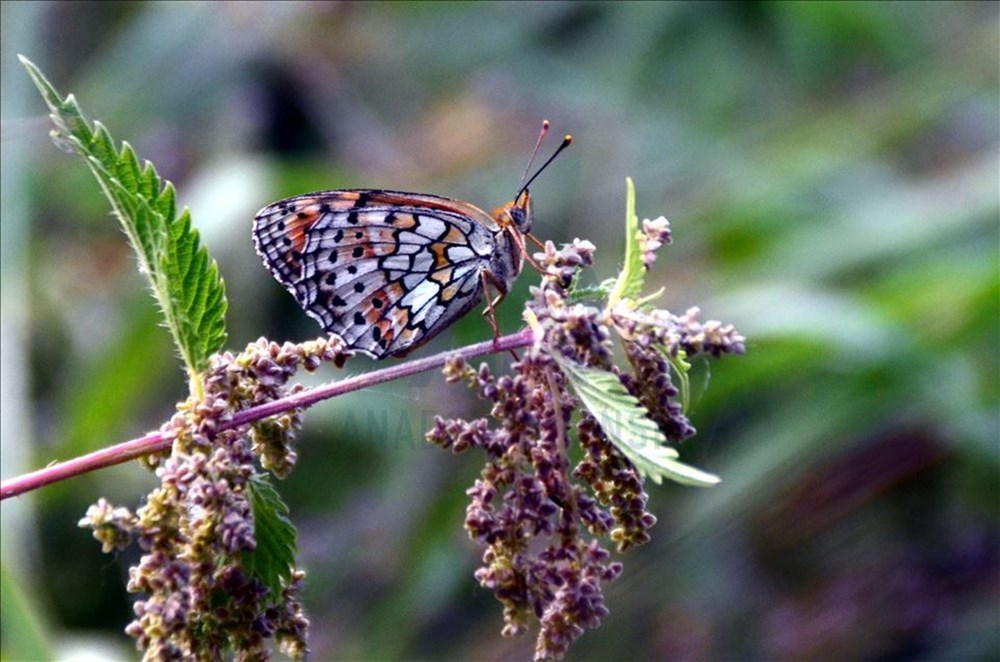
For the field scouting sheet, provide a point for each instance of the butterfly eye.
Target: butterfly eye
(522, 216)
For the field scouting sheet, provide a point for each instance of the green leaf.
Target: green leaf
(184, 279)
(625, 421)
(645, 301)
(681, 368)
(578, 293)
(273, 559)
(633, 273)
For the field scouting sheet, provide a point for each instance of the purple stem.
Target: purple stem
(154, 442)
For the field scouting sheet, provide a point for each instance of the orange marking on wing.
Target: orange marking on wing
(388, 332)
(448, 293)
(393, 292)
(442, 276)
(404, 221)
(381, 250)
(361, 251)
(369, 234)
(400, 317)
(343, 205)
(407, 335)
(344, 201)
(383, 233)
(371, 217)
(297, 226)
(455, 236)
(440, 255)
(398, 199)
(381, 299)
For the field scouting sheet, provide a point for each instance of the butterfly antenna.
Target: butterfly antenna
(524, 187)
(538, 143)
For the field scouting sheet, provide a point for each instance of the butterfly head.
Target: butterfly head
(516, 213)
(520, 212)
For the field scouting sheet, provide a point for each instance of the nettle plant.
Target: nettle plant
(218, 574)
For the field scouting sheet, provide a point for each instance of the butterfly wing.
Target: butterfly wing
(385, 270)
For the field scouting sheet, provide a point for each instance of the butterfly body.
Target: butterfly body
(388, 270)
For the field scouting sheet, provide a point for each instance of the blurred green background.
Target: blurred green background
(831, 174)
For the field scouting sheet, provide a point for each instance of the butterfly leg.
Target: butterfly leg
(490, 313)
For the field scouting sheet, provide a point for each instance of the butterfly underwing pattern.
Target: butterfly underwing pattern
(388, 270)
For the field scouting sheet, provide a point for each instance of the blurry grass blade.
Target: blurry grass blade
(25, 634)
(185, 280)
(634, 434)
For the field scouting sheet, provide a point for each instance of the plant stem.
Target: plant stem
(154, 442)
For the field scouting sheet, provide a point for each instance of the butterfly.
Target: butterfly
(388, 270)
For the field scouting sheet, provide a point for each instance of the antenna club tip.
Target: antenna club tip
(545, 124)
(568, 139)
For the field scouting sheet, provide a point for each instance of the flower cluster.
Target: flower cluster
(540, 518)
(197, 528)
(655, 233)
(526, 493)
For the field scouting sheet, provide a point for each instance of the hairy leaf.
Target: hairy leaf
(184, 279)
(681, 367)
(625, 421)
(633, 273)
(578, 293)
(273, 559)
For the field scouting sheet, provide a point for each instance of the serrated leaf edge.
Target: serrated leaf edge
(602, 394)
(267, 529)
(185, 280)
(633, 275)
